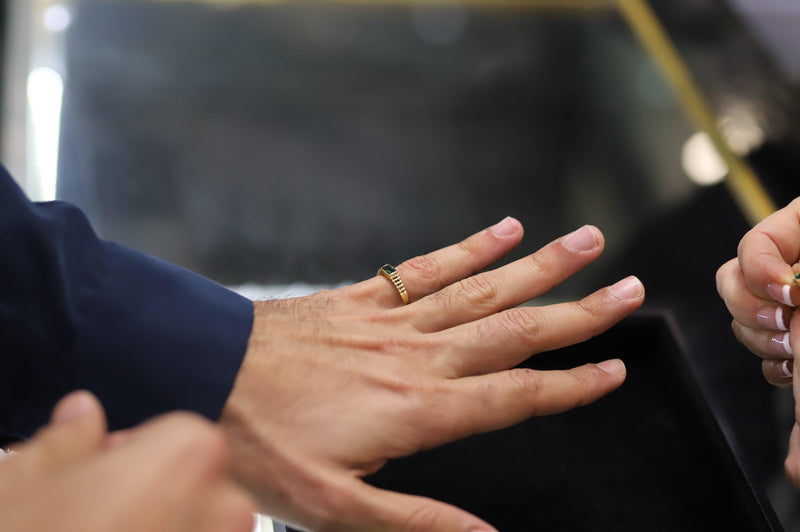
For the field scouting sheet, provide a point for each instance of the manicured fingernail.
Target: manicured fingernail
(780, 292)
(614, 367)
(505, 227)
(584, 239)
(781, 343)
(72, 406)
(628, 288)
(787, 366)
(772, 318)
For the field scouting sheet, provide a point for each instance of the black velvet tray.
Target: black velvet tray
(650, 456)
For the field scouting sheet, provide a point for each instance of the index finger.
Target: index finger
(767, 253)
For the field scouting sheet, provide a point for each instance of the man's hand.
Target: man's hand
(335, 384)
(169, 475)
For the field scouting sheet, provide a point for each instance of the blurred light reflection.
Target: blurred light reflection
(56, 18)
(701, 161)
(45, 92)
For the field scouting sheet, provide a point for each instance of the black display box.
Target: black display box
(650, 456)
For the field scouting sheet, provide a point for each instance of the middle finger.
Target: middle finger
(489, 292)
(506, 339)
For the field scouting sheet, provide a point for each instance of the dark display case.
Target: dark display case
(268, 143)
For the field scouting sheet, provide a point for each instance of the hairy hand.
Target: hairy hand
(335, 384)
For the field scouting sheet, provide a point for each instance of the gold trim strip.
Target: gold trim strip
(535, 4)
(746, 189)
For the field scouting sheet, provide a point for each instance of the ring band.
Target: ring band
(391, 273)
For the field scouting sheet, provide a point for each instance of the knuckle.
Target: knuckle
(425, 269)
(596, 316)
(539, 264)
(423, 517)
(523, 323)
(478, 290)
(525, 387)
(525, 380)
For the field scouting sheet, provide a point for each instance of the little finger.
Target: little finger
(499, 400)
(778, 372)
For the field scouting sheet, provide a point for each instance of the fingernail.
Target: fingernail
(781, 343)
(505, 227)
(72, 406)
(584, 239)
(780, 292)
(787, 366)
(614, 367)
(628, 288)
(772, 318)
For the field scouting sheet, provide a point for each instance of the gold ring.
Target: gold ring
(391, 273)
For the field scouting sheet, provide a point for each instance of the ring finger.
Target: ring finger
(766, 344)
(429, 273)
(489, 292)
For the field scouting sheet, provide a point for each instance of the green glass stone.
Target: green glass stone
(389, 269)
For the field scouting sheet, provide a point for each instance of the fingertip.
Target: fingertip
(507, 227)
(615, 367)
(75, 405)
(629, 288)
(582, 240)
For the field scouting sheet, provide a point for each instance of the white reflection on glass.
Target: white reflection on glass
(440, 24)
(45, 91)
(743, 132)
(56, 18)
(701, 160)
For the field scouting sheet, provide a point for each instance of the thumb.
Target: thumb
(77, 428)
(394, 511)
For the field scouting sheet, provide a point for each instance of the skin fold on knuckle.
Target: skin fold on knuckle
(425, 270)
(478, 291)
(424, 517)
(596, 315)
(540, 264)
(587, 384)
(524, 324)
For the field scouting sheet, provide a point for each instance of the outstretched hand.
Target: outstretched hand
(335, 384)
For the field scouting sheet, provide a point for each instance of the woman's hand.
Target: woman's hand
(168, 475)
(759, 290)
(335, 384)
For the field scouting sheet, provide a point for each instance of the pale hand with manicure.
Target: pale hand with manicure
(761, 292)
(335, 384)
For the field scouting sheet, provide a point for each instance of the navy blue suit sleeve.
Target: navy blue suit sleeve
(78, 312)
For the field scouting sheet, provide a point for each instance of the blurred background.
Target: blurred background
(265, 143)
